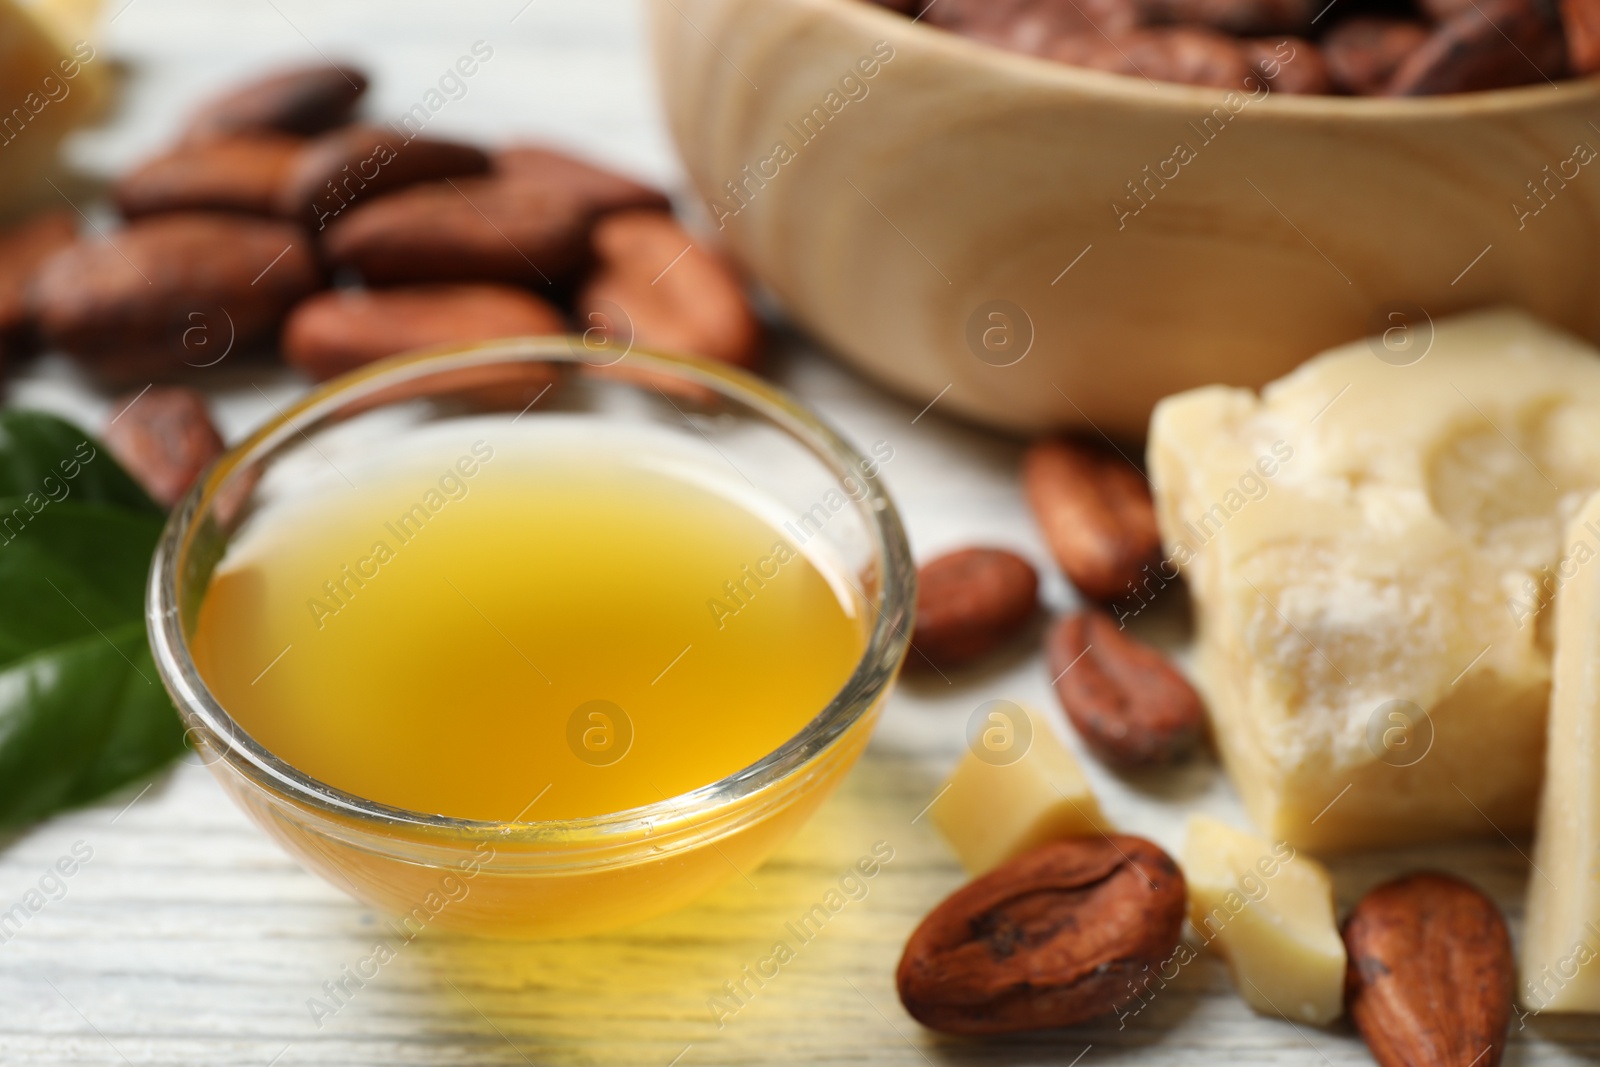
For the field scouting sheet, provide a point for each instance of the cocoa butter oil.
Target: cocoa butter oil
(494, 627)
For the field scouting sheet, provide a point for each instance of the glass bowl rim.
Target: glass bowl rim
(869, 680)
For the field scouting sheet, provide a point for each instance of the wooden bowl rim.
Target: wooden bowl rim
(1179, 98)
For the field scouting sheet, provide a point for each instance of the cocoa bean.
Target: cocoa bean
(1131, 706)
(1288, 64)
(1032, 26)
(23, 248)
(1495, 45)
(358, 164)
(655, 287)
(1186, 54)
(1580, 19)
(304, 100)
(1363, 53)
(1243, 17)
(164, 437)
(1431, 974)
(496, 229)
(1059, 936)
(1095, 511)
(968, 603)
(1444, 10)
(597, 191)
(171, 290)
(340, 330)
(241, 172)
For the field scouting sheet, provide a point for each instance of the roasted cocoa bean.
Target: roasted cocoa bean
(241, 172)
(495, 229)
(171, 290)
(1442, 10)
(1363, 53)
(1131, 706)
(1580, 20)
(1495, 45)
(1242, 17)
(358, 164)
(304, 101)
(968, 603)
(1032, 26)
(1189, 55)
(1288, 64)
(1056, 937)
(164, 437)
(23, 248)
(340, 330)
(1431, 973)
(655, 287)
(596, 190)
(1095, 511)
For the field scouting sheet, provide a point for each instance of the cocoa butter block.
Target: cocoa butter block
(1561, 932)
(1372, 545)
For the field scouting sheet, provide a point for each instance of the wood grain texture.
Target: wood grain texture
(189, 938)
(1219, 242)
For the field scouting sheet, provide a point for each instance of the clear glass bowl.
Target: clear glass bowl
(552, 878)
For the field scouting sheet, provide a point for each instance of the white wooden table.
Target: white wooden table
(188, 938)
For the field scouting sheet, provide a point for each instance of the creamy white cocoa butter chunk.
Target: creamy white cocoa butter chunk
(1268, 909)
(1560, 966)
(1372, 546)
(1018, 787)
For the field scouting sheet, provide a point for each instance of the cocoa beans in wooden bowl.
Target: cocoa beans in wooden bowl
(1062, 246)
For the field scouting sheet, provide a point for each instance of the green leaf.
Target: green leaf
(49, 457)
(71, 567)
(82, 711)
(80, 720)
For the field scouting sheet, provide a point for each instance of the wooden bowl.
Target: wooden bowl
(1043, 246)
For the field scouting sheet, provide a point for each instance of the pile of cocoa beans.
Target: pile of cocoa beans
(1364, 47)
(274, 192)
(1133, 708)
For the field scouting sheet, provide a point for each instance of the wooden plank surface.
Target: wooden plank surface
(188, 938)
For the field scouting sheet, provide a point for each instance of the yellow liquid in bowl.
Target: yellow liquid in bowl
(491, 632)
